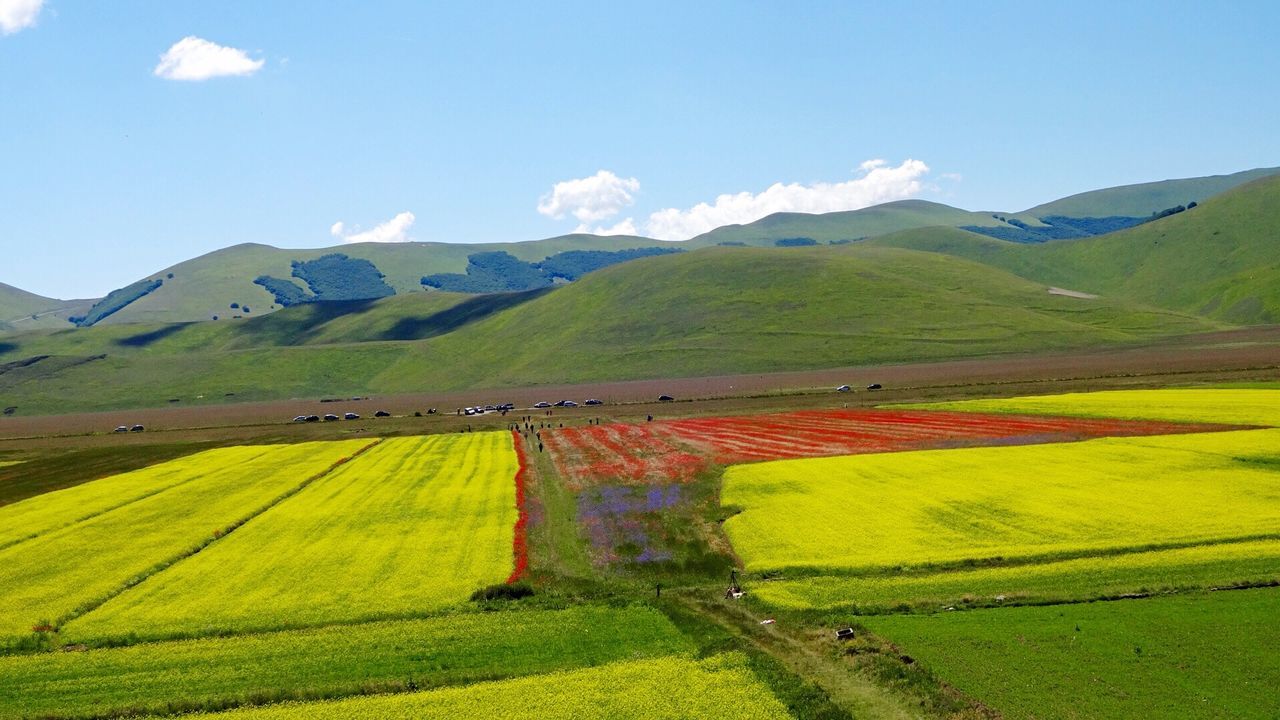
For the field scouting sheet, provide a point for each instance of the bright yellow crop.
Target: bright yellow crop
(1078, 579)
(60, 508)
(8, 463)
(50, 576)
(415, 524)
(1227, 406)
(945, 506)
(671, 687)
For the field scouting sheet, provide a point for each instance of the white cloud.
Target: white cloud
(878, 183)
(193, 58)
(16, 15)
(625, 227)
(395, 230)
(589, 199)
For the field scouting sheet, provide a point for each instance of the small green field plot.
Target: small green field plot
(1234, 406)
(671, 687)
(9, 463)
(414, 525)
(1207, 655)
(40, 514)
(59, 573)
(328, 662)
(950, 507)
(1157, 571)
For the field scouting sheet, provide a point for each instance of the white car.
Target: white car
(843, 388)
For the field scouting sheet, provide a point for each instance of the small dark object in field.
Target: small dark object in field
(665, 398)
(908, 660)
(513, 591)
(172, 400)
(875, 386)
(382, 413)
(845, 633)
(11, 410)
(650, 418)
(417, 413)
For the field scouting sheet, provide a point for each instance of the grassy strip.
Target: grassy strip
(1076, 580)
(1206, 655)
(1258, 405)
(215, 674)
(50, 470)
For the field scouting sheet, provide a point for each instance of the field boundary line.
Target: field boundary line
(138, 579)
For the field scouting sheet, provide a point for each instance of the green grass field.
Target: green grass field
(61, 572)
(942, 507)
(414, 525)
(671, 687)
(1088, 578)
(1231, 406)
(1195, 656)
(328, 662)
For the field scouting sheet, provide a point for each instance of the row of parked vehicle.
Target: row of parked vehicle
(567, 403)
(330, 417)
(872, 386)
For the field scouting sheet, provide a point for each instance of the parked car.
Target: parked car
(122, 428)
(843, 388)
(330, 417)
(350, 416)
(666, 398)
(569, 403)
(875, 386)
(560, 403)
(593, 401)
(542, 404)
(136, 428)
(300, 418)
(382, 413)
(313, 418)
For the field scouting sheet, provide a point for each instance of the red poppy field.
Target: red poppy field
(677, 450)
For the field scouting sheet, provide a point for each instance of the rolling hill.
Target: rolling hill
(206, 286)
(1220, 259)
(711, 311)
(21, 310)
(1145, 198)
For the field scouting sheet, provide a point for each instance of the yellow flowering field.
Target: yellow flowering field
(949, 506)
(415, 524)
(1231, 406)
(673, 687)
(51, 576)
(1225, 564)
(50, 511)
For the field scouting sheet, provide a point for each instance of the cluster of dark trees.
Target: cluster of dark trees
(330, 277)
(115, 300)
(1061, 227)
(491, 272)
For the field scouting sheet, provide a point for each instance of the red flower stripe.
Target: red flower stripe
(520, 543)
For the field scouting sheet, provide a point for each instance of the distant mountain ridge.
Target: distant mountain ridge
(251, 279)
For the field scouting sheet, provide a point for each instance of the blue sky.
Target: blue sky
(460, 122)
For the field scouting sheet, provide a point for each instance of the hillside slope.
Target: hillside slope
(712, 311)
(21, 310)
(207, 285)
(1145, 198)
(1220, 260)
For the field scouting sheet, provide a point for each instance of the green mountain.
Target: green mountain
(710, 311)
(844, 226)
(21, 310)
(1132, 201)
(1143, 199)
(206, 286)
(1220, 259)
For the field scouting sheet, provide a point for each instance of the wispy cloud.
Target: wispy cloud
(877, 183)
(17, 15)
(193, 58)
(395, 230)
(589, 199)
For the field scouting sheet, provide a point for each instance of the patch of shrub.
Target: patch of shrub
(732, 243)
(338, 277)
(493, 272)
(116, 300)
(286, 292)
(513, 591)
(795, 242)
(573, 264)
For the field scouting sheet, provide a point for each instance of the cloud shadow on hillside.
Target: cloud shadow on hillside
(464, 313)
